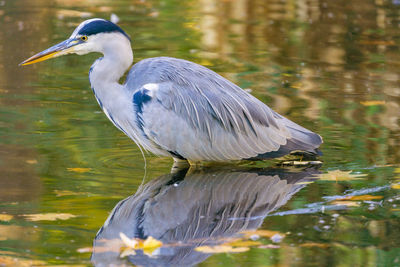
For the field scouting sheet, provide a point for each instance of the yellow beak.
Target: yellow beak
(63, 48)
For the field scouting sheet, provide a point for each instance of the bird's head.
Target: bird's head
(93, 35)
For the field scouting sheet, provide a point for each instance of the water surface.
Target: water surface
(331, 66)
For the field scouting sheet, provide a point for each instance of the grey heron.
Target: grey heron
(173, 107)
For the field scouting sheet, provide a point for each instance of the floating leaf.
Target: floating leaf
(79, 170)
(305, 182)
(48, 216)
(394, 186)
(148, 246)
(338, 175)
(12, 261)
(130, 243)
(362, 197)
(206, 62)
(85, 250)
(221, 249)
(372, 103)
(127, 252)
(243, 243)
(345, 203)
(6, 217)
(297, 85)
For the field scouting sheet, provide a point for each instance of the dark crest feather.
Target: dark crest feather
(101, 26)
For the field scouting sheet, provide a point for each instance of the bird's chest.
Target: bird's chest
(111, 118)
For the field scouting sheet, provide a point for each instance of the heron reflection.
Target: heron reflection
(195, 209)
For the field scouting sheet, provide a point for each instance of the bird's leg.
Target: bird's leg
(179, 164)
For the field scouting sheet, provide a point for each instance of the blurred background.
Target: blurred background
(331, 66)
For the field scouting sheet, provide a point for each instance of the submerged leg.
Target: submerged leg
(179, 164)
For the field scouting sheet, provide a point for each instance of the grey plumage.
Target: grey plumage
(201, 208)
(177, 108)
(226, 122)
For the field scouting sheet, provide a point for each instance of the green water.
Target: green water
(331, 66)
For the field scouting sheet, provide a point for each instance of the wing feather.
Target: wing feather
(200, 115)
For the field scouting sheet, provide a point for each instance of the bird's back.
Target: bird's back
(193, 113)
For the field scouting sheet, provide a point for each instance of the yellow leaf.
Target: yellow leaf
(297, 85)
(338, 175)
(221, 249)
(345, 203)
(206, 62)
(372, 103)
(243, 243)
(150, 244)
(6, 217)
(127, 252)
(307, 182)
(362, 197)
(395, 186)
(79, 170)
(48, 216)
(31, 161)
(397, 170)
(12, 261)
(130, 243)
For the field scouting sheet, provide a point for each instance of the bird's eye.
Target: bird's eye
(84, 38)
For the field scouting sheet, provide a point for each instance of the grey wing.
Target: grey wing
(197, 114)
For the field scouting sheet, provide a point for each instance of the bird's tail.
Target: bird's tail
(302, 141)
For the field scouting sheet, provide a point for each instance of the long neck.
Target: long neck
(106, 72)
